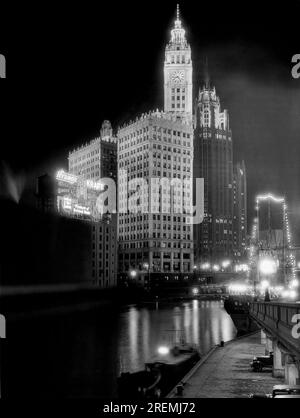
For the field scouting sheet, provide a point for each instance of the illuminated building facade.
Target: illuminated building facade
(239, 211)
(79, 196)
(98, 158)
(213, 161)
(156, 146)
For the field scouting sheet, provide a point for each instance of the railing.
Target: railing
(278, 319)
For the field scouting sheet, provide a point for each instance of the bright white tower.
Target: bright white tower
(178, 73)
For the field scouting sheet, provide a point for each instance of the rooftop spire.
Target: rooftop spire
(178, 33)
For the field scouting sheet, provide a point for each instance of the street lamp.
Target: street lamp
(226, 263)
(146, 266)
(133, 274)
(267, 266)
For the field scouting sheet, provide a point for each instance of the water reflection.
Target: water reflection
(81, 354)
(204, 323)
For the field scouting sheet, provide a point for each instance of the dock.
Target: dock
(225, 372)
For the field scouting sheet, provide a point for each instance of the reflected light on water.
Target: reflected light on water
(195, 322)
(133, 321)
(89, 350)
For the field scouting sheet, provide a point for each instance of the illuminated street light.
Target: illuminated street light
(195, 291)
(216, 267)
(267, 266)
(294, 283)
(133, 273)
(163, 350)
(205, 266)
(226, 263)
(265, 284)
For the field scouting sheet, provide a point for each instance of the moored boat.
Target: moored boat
(161, 374)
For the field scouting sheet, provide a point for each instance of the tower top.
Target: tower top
(178, 12)
(178, 33)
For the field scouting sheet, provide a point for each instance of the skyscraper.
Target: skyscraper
(239, 211)
(213, 157)
(155, 157)
(97, 158)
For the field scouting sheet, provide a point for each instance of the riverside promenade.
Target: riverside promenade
(225, 372)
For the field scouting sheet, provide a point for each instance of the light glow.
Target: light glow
(294, 283)
(61, 175)
(163, 350)
(133, 273)
(267, 266)
(270, 196)
(226, 263)
(265, 284)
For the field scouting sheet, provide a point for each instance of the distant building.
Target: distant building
(46, 193)
(213, 161)
(239, 211)
(98, 158)
(76, 219)
(104, 252)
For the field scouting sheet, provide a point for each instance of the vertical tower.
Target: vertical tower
(213, 162)
(178, 73)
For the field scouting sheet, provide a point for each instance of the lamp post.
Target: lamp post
(147, 267)
(133, 274)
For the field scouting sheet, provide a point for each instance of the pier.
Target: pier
(226, 372)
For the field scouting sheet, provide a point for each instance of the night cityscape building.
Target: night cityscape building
(128, 275)
(213, 161)
(104, 251)
(98, 158)
(46, 193)
(156, 153)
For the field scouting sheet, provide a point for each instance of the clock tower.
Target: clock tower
(178, 73)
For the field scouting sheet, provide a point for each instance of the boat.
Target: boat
(162, 372)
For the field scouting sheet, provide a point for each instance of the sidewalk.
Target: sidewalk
(226, 373)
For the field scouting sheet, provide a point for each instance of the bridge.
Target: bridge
(280, 323)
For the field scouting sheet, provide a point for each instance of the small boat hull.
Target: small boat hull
(158, 379)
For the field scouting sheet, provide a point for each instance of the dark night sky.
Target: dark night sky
(70, 68)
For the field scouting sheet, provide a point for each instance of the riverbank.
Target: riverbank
(225, 372)
(16, 302)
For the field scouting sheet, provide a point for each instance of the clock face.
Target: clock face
(177, 77)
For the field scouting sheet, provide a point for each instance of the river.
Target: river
(80, 354)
